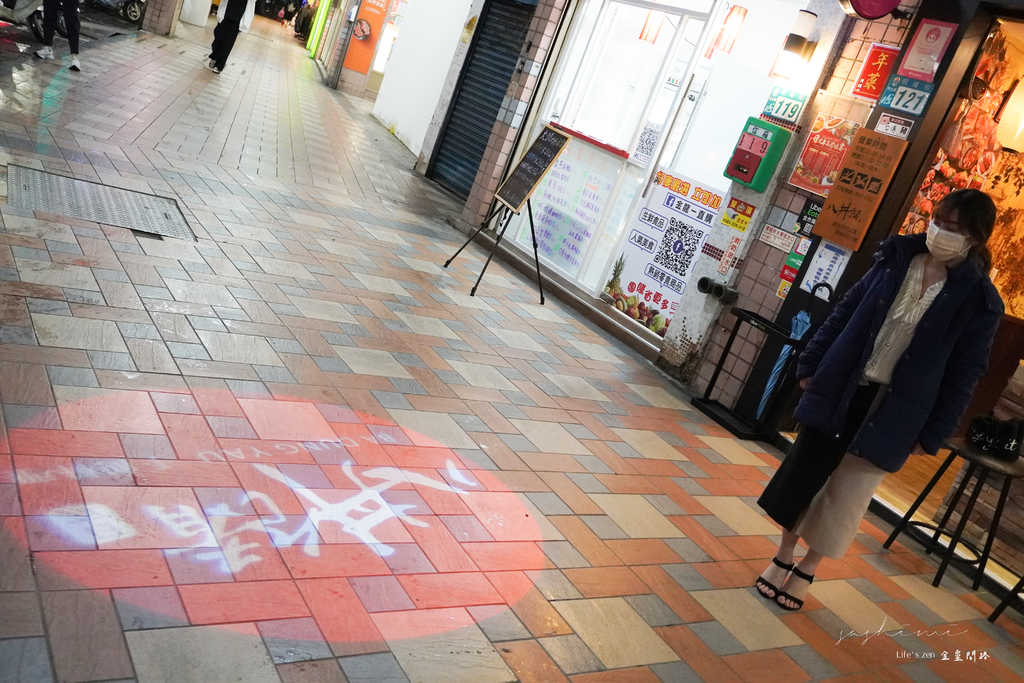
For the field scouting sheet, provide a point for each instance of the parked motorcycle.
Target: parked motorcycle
(129, 9)
(29, 13)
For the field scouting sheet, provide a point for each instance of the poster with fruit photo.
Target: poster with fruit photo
(663, 241)
(823, 153)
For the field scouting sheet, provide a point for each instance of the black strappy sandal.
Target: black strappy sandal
(809, 578)
(762, 583)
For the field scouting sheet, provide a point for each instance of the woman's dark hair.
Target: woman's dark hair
(976, 217)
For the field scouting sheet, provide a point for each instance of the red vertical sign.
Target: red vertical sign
(874, 74)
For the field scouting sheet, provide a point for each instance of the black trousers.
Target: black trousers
(810, 463)
(51, 8)
(226, 33)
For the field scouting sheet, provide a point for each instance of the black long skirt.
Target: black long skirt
(811, 461)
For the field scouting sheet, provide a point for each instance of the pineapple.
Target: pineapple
(614, 285)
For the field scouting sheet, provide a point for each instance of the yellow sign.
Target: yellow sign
(859, 188)
(783, 289)
(738, 214)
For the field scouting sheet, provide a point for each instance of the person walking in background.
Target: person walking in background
(889, 374)
(230, 16)
(51, 10)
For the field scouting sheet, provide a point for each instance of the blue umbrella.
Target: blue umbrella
(801, 323)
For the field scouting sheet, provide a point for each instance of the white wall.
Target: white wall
(427, 42)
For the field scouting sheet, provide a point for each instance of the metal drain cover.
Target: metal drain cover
(62, 196)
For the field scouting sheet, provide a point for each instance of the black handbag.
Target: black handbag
(1000, 438)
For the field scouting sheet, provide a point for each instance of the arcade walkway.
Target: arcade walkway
(296, 450)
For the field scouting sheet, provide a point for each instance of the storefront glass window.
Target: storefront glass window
(619, 73)
(617, 89)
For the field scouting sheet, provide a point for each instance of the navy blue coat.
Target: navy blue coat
(931, 384)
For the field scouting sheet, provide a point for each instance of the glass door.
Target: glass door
(619, 83)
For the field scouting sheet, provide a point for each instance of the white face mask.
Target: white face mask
(946, 245)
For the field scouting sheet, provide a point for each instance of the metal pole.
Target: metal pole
(335, 77)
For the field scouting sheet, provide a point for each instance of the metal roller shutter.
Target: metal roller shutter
(476, 104)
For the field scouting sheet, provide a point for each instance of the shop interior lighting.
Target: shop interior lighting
(1010, 132)
(652, 26)
(318, 25)
(726, 36)
(797, 50)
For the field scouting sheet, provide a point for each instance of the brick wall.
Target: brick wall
(519, 93)
(758, 279)
(1008, 548)
(161, 16)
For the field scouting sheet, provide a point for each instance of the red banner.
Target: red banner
(875, 72)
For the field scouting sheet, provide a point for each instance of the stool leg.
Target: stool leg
(953, 542)
(952, 506)
(1007, 481)
(1006, 601)
(920, 499)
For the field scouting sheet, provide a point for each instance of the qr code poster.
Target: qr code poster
(663, 240)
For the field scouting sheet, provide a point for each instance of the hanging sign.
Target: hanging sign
(875, 71)
(808, 215)
(895, 126)
(926, 50)
(784, 104)
(865, 175)
(823, 153)
(663, 240)
(827, 265)
(906, 94)
(738, 214)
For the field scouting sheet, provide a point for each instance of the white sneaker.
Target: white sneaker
(75, 64)
(45, 53)
(212, 63)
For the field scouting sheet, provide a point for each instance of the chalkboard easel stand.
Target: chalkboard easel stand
(503, 223)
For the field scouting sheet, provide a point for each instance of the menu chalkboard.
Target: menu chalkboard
(531, 169)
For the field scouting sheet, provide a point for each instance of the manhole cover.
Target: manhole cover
(62, 196)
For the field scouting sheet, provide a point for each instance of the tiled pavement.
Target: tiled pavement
(296, 450)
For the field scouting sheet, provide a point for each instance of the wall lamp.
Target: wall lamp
(797, 50)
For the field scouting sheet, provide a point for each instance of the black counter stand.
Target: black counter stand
(503, 223)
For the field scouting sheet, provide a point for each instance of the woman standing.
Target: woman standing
(889, 374)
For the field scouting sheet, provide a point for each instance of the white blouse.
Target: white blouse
(901, 322)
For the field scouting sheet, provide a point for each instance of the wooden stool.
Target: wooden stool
(980, 464)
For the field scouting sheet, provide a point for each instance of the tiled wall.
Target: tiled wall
(759, 276)
(510, 118)
(354, 83)
(161, 16)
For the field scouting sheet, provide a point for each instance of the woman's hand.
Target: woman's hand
(917, 450)
(805, 382)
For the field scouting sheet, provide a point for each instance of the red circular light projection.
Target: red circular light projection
(267, 509)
